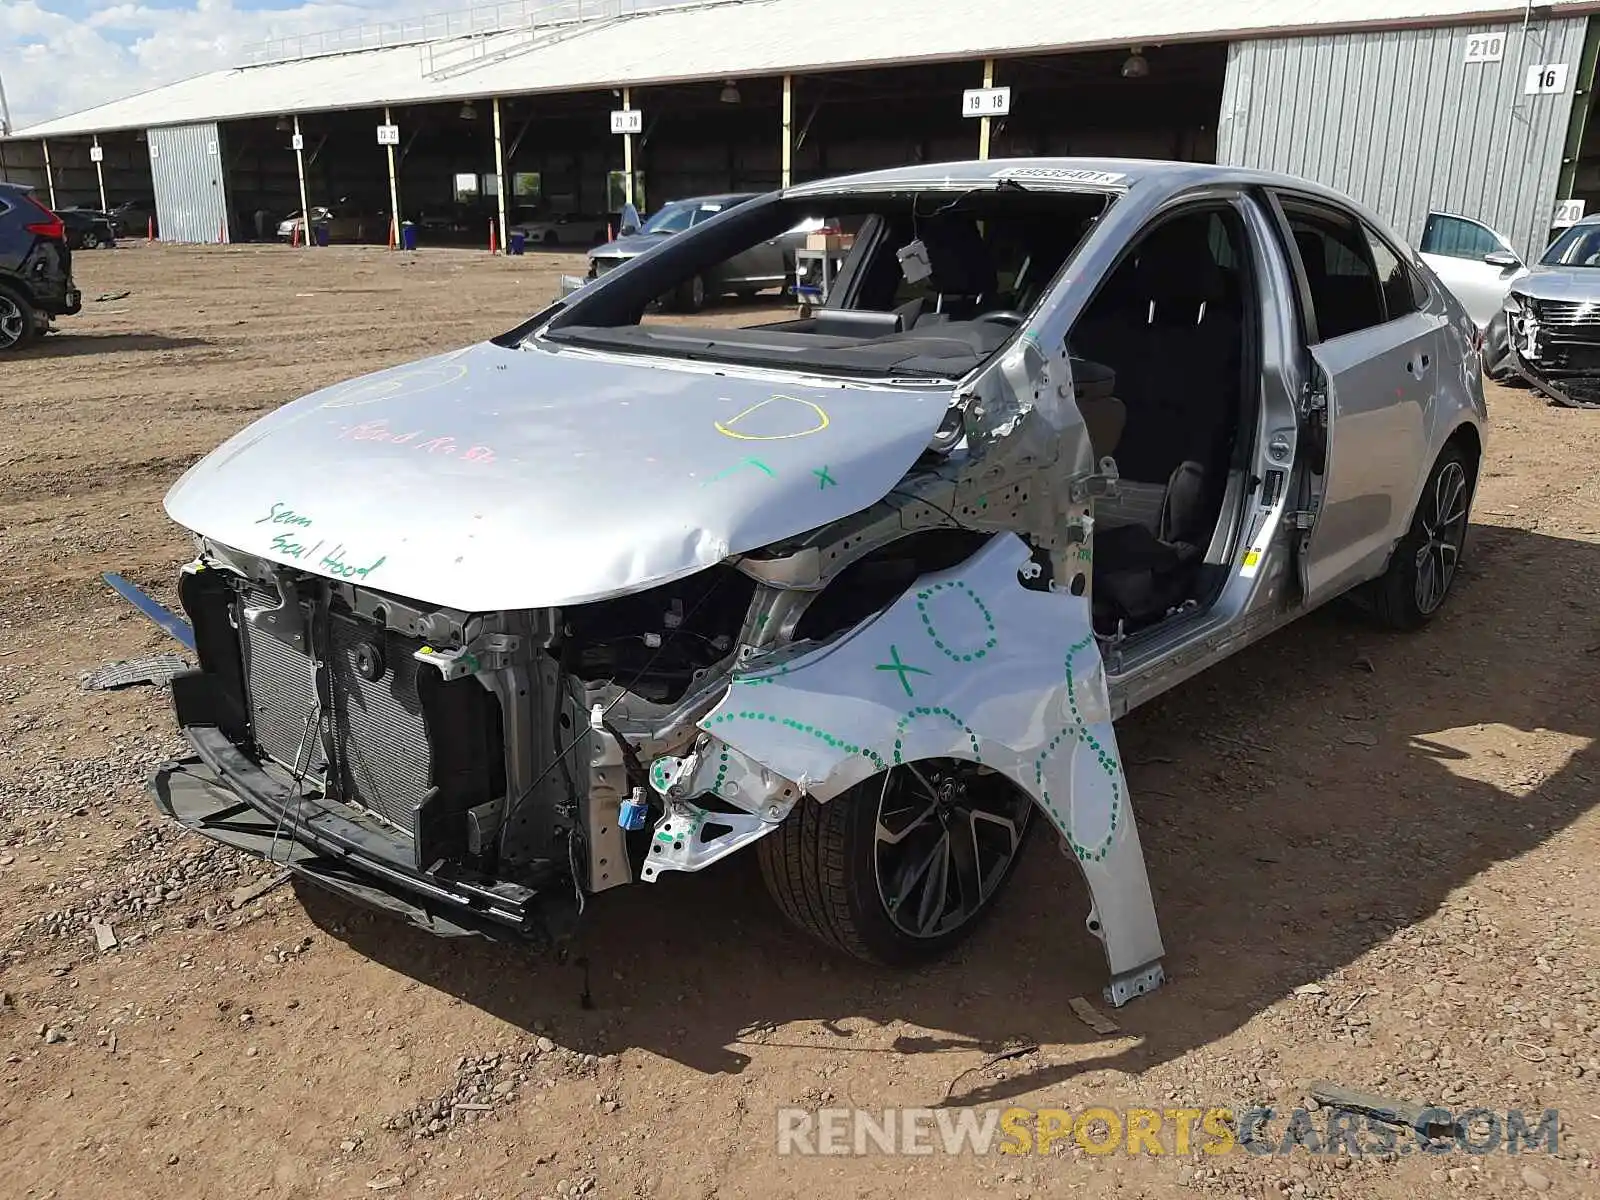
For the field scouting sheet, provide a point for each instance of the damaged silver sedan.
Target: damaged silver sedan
(1553, 319)
(862, 588)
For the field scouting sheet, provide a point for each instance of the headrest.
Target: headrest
(1176, 263)
(956, 252)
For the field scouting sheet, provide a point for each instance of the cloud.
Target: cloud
(63, 56)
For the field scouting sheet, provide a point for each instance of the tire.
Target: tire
(1425, 563)
(823, 865)
(19, 322)
(692, 295)
(1497, 362)
(551, 240)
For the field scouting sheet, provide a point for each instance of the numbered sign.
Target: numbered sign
(1568, 212)
(388, 135)
(97, 154)
(1486, 47)
(1547, 80)
(297, 142)
(986, 102)
(627, 120)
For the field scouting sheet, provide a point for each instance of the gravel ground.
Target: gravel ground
(1373, 857)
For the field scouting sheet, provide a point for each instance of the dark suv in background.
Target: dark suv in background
(35, 268)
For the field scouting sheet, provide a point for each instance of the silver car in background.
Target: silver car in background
(862, 590)
(758, 268)
(1553, 313)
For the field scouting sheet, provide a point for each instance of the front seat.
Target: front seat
(963, 270)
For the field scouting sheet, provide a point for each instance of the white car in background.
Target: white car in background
(1473, 261)
(560, 229)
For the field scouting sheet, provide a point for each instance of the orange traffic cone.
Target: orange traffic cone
(493, 246)
(150, 230)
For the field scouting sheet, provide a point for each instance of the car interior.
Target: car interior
(1168, 336)
(1161, 359)
(933, 285)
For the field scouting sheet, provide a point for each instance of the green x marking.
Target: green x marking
(826, 480)
(900, 669)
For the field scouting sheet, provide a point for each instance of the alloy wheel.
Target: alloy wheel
(947, 835)
(1444, 529)
(13, 322)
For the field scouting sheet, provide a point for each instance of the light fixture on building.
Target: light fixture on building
(729, 93)
(283, 125)
(1137, 66)
(468, 113)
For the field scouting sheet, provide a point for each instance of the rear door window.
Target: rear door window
(1347, 292)
(1403, 292)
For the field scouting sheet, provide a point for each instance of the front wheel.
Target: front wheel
(903, 866)
(1423, 567)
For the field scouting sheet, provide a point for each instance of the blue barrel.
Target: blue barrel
(320, 232)
(408, 236)
(517, 242)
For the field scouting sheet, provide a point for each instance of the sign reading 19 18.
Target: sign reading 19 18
(986, 102)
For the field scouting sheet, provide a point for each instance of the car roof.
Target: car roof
(722, 198)
(1072, 174)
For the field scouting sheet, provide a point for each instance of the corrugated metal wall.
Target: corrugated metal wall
(1401, 121)
(190, 184)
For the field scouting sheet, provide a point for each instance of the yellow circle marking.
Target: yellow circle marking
(728, 430)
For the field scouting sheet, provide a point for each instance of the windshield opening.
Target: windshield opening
(908, 283)
(1579, 246)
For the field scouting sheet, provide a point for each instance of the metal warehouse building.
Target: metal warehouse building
(1412, 106)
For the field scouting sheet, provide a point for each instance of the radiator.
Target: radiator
(383, 762)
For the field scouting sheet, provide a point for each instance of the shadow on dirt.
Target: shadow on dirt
(66, 344)
(1298, 804)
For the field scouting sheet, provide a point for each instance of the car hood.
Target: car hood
(493, 478)
(1559, 283)
(630, 246)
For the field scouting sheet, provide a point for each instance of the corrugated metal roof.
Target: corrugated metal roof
(757, 37)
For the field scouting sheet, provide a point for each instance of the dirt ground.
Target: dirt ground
(1406, 823)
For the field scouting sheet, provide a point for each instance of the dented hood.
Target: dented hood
(1559, 283)
(494, 478)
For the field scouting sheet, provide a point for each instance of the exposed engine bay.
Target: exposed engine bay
(1555, 346)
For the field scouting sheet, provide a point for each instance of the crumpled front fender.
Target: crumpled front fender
(971, 664)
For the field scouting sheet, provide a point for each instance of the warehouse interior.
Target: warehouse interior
(708, 137)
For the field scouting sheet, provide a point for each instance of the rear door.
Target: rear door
(1473, 261)
(1373, 348)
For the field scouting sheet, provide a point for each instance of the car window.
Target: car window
(1457, 237)
(1401, 294)
(1347, 292)
(673, 218)
(1577, 247)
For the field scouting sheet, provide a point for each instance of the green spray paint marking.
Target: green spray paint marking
(758, 680)
(822, 735)
(920, 712)
(826, 480)
(1080, 730)
(747, 462)
(901, 669)
(960, 656)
